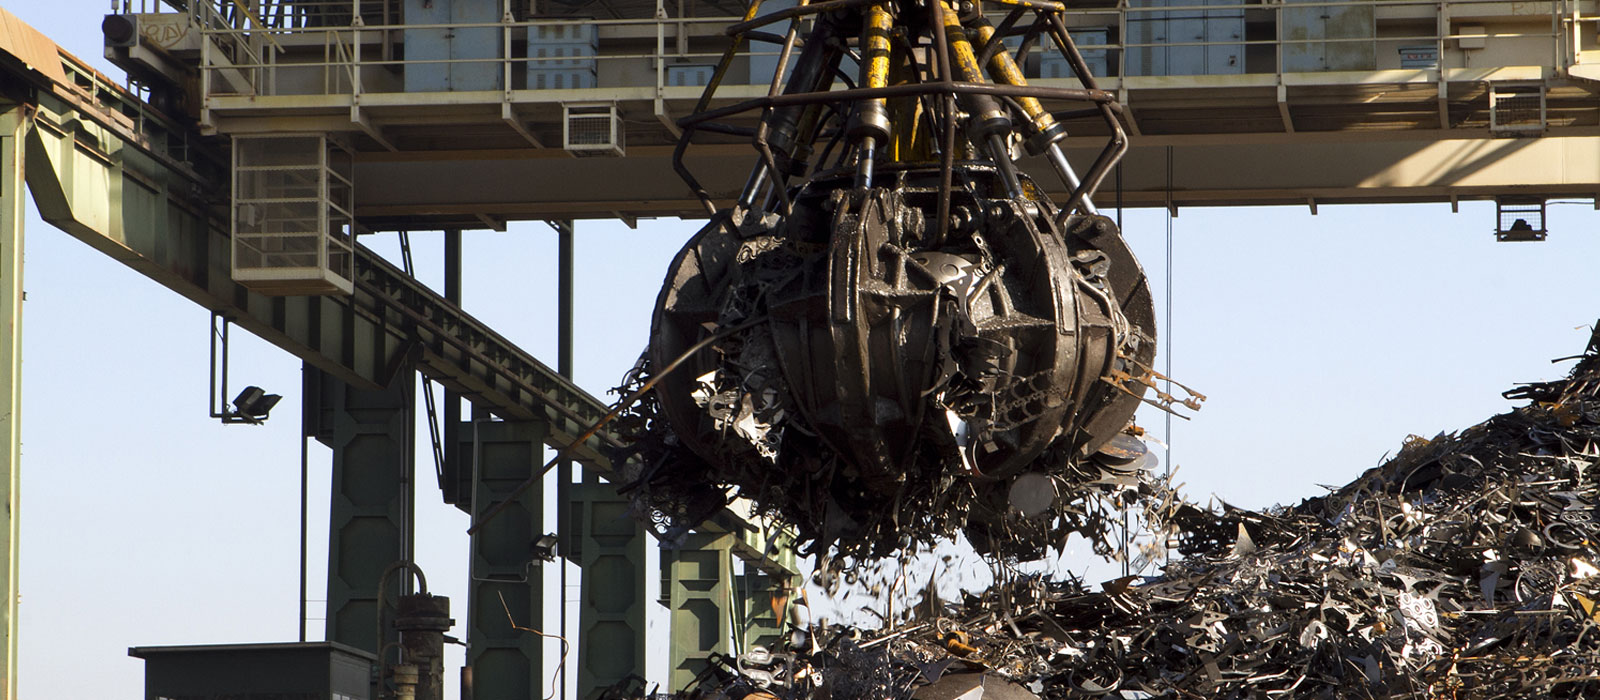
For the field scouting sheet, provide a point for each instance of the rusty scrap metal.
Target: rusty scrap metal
(1467, 566)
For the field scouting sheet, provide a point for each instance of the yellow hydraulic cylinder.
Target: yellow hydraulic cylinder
(1004, 70)
(875, 51)
(872, 123)
(989, 124)
(1045, 133)
(963, 60)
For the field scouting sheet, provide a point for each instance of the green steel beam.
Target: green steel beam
(611, 619)
(506, 594)
(371, 510)
(113, 192)
(93, 183)
(13, 131)
(757, 540)
(699, 593)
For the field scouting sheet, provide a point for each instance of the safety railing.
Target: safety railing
(1358, 30)
(238, 45)
(277, 14)
(362, 59)
(295, 50)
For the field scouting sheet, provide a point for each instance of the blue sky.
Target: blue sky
(1322, 341)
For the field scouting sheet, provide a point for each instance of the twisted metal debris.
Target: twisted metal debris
(903, 338)
(1468, 566)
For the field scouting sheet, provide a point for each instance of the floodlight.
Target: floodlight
(253, 404)
(545, 547)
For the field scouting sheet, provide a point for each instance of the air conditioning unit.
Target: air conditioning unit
(592, 130)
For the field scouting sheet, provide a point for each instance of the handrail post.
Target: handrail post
(1557, 55)
(1277, 21)
(1122, 44)
(205, 73)
(683, 27)
(1441, 31)
(505, 50)
(327, 62)
(355, 60)
(271, 69)
(661, 50)
(323, 186)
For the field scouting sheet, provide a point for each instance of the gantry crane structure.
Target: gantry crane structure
(264, 138)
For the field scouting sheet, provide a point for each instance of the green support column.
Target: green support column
(762, 600)
(570, 524)
(762, 622)
(699, 590)
(13, 127)
(370, 524)
(503, 662)
(610, 552)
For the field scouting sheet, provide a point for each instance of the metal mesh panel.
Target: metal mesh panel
(293, 151)
(590, 131)
(1517, 108)
(277, 235)
(1519, 220)
(593, 130)
(299, 183)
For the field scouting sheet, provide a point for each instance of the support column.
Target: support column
(456, 481)
(13, 128)
(762, 600)
(764, 596)
(568, 527)
(699, 590)
(370, 524)
(502, 660)
(611, 621)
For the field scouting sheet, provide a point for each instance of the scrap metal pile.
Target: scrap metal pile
(894, 334)
(1464, 567)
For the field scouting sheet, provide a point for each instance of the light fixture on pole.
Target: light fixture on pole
(251, 405)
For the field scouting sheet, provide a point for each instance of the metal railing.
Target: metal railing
(351, 56)
(359, 57)
(1563, 36)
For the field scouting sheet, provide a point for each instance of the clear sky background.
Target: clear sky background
(1322, 341)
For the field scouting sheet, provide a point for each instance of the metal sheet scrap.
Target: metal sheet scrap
(891, 332)
(1467, 566)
